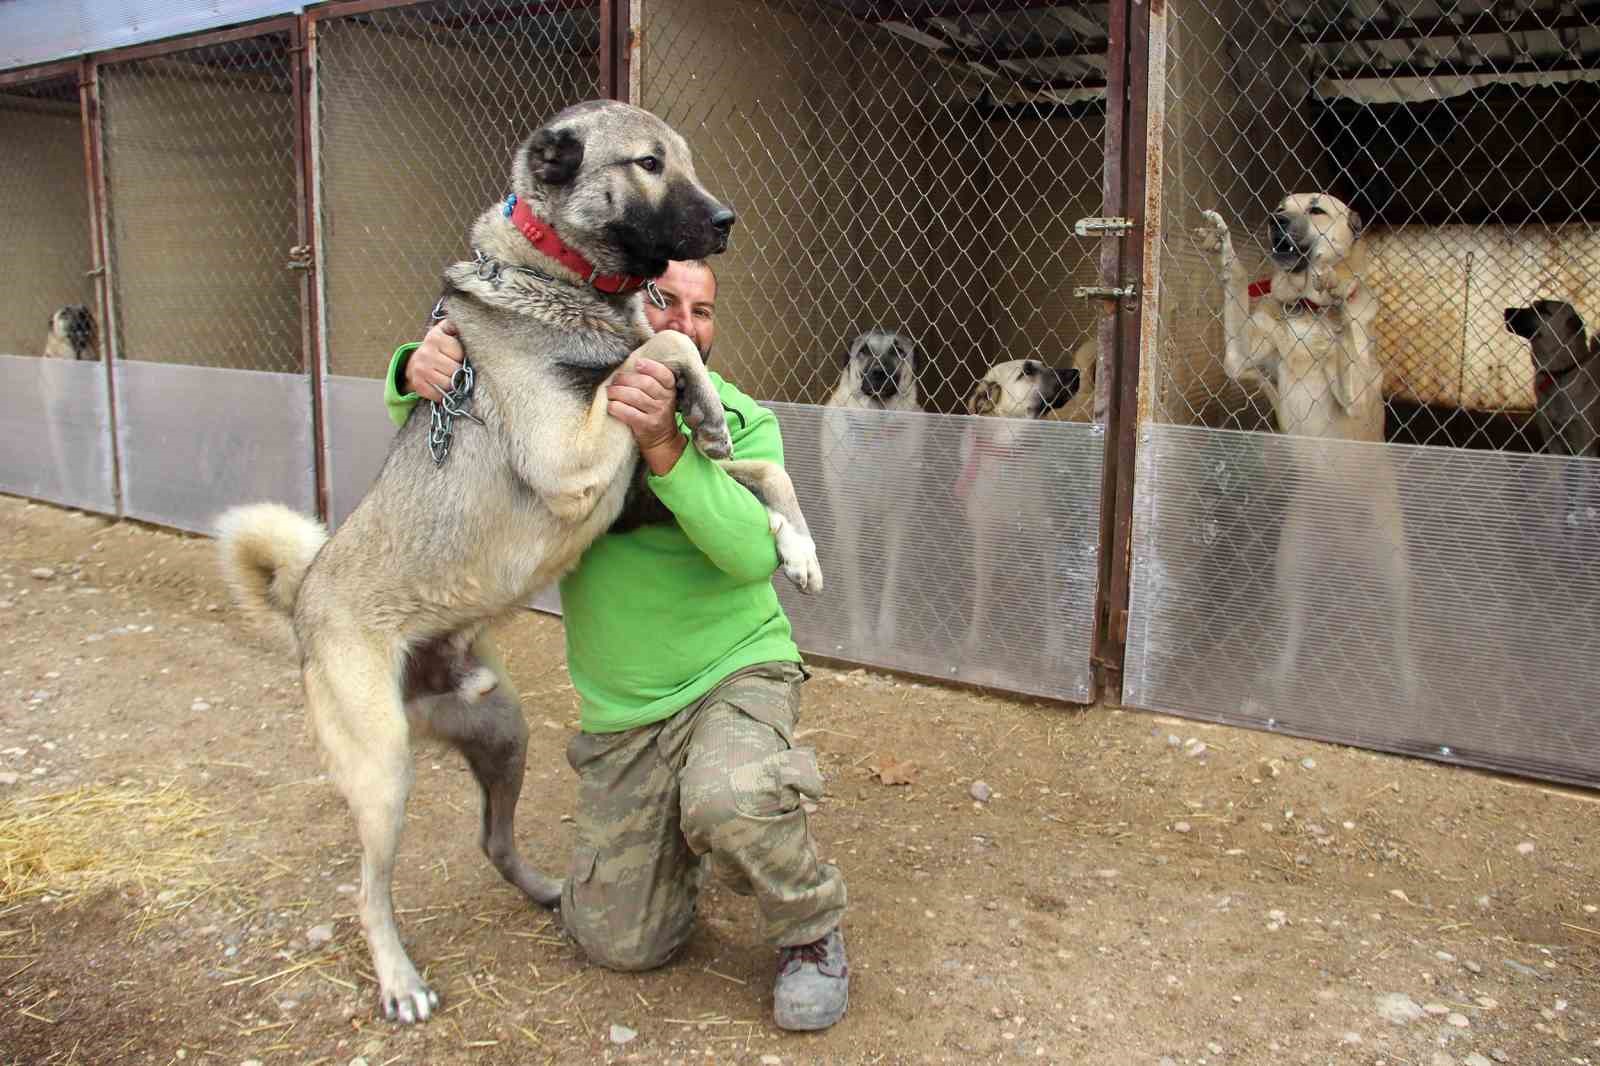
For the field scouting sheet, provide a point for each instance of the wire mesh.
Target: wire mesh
(45, 251)
(1464, 136)
(202, 206)
(912, 166)
(1311, 575)
(419, 110)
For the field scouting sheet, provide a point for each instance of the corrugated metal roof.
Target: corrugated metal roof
(40, 31)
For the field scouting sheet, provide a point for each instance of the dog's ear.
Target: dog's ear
(554, 155)
(1357, 223)
(984, 398)
(910, 352)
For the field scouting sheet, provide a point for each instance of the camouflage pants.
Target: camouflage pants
(720, 779)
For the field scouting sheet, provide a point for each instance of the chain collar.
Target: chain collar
(455, 403)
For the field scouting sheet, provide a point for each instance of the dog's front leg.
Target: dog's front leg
(1245, 349)
(698, 401)
(797, 552)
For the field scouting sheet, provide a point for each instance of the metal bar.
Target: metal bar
(302, 70)
(285, 24)
(1587, 61)
(919, 12)
(1483, 24)
(100, 245)
(621, 44)
(633, 55)
(608, 52)
(43, 72)
(1138, 194)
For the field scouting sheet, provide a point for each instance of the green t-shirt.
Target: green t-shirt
(657, 617)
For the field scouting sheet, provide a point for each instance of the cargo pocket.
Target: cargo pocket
(778, 784)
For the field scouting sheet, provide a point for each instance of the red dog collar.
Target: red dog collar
(1261, 288)
(544, 239)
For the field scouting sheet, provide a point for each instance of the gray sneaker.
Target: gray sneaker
(813, 986)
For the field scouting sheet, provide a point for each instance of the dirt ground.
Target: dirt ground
(177, 876)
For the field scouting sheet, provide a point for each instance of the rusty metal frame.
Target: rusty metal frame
(620, 40)
(43, 72)
(280, 24)
(94, 166)
(1133, 133)
(302, 73)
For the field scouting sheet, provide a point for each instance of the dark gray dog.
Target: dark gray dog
(1566, 375)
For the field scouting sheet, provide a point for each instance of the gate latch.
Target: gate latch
(1104, 292)
(299, 257)
(1088, 226)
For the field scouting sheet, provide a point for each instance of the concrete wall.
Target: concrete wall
(44, 218)
(201, 186)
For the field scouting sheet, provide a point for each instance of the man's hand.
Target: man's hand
(432, 365)
(646, 401)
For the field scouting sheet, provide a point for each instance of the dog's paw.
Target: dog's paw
(1214, 236)
(712, 438)
(407, 999)
(797, 553)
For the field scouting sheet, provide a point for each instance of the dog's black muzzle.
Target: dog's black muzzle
(1285, 247)
(1522, 321)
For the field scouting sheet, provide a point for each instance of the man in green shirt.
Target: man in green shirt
(689, 682)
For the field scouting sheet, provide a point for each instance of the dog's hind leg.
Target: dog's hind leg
(483, 720)
(354, 698)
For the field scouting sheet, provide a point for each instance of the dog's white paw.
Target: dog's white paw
(407, 999)
(1213, 237)
(713, 440)
(798, 554)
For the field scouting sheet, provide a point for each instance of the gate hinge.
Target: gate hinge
(1119, 625)
(1088, 226)
(1105, 292)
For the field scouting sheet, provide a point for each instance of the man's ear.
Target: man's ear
(984, 398)
(554, 155)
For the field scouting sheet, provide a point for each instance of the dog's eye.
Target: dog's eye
(1030, 369)
(1318, 211)
(650, 164)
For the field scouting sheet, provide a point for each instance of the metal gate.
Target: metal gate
(55, 411)
(417, 109)
(202, 165)
(1434, 594)
(916, 167)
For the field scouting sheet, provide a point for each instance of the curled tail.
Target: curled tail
(266, 550)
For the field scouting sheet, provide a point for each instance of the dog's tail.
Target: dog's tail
(266, 550)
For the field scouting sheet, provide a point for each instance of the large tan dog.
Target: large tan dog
(1004, 484)
(1308, 344)
(390, 614)
(73, 334)
(871, 441)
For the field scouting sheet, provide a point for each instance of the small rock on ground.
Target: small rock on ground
(1475, 1059)
(1399, 1008)
(320, 934)
(42, 573)
(1458, 1020)
(980, 791)
(1525, 848)
(621, 1034)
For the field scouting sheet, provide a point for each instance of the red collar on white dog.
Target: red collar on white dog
(544, 239)
(1261, 288)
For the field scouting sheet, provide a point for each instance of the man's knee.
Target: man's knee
(620, 927)
(721, 804)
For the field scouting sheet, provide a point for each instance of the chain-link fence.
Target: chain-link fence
(915, 168)
(202, 205)
(54, 411)
(44, 226)
(419, 109)
(1392, 183)
(202, 164)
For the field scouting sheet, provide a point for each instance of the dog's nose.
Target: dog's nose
(723, 219)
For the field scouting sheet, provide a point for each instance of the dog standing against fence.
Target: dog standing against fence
(1004, 484)
(72, 335)
(1308, 344)
(390, 613)
(866, 456)
(1566, 375)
